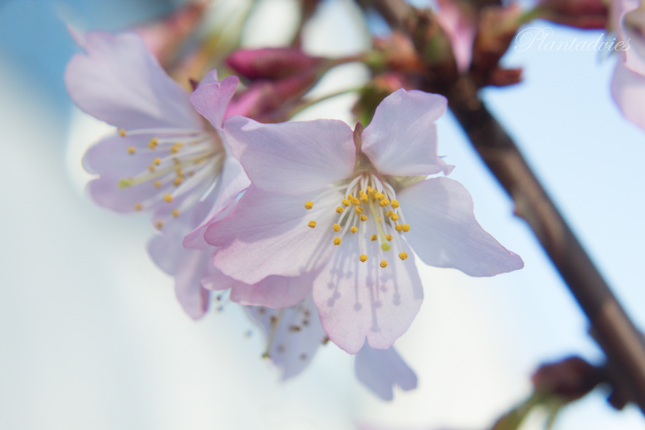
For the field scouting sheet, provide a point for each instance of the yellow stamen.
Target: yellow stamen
(353, 229)
(373, 238)
(363, 218)
(406, 228)
(356, 201)
(395, 217)
(122, 133)
(178, 180)
(384, 264)
(336, 227)
(350, 196)
(388, 237)
(379, 219)
(395, 204)
(403, 255)
(132, 150)
(346, 202)
(363, 258)
(337, 241)
(364, 198)
(379, 196)
(168, 198)
(157, 161)
(388, 214)
(159, 224)
(398, 227)
(309, 205)
(157, 183)
(138, 207)
(340, 209)
(151, 168)
(359, 211)
(153, 143)
(384, 202)
(312, 224)
(360, 192)
(372, 192)
(175, 213)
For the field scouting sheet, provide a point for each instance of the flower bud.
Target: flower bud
(570, 378)
(585, 14)
(271, 63)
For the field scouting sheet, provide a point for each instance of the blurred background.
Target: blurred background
(91, 336)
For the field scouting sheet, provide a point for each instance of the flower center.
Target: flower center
(182, 165)
(369, 208)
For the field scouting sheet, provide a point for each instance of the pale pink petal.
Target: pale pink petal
(231, 183)
(274, 291)
(358, 300)
(110, 156)
(628, 20)
(117, 80)
(105, 191)
(294, 334)
(165, 248)
(212, 96)
(628, 91)
(267, 234)
(292, 157)
(444, 231)
(192, 267)
(402, 137)
(381, 369)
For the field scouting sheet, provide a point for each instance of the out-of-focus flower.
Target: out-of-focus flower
(627, 19)
(295, 333)
(584, 14)
(165, 158)
(271, 63)
(317, 184)
(458, 20)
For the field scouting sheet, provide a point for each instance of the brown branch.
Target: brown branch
(611, 327)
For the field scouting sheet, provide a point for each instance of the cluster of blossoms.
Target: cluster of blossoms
(310, 225)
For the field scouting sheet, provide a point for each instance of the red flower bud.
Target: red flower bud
(271, 63)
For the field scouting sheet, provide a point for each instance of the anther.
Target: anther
(131, 150)
(175, 213)
(309, 205)
(359, 211)
(384, 264)
(151, 168)
(153, 143)
(398, 227)
(157, 184)
(312, 224)
(363, 258)
(395, 204)
(157, 161)
(178, 180)
(122, 133)
(159, 225)
(168, 198)
(363, 218)
(373, 238)
(340, 209)
(355, 201)
(388, 237)
(395, 217)
(337, 241)
(336, 227)
(403, 255)
(353, 229)
(346, 202)
(365, 198)
(138, 207)
(406, 228)
(379, 196)
(384, 202)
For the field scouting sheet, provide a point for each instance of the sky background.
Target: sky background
(91, 336)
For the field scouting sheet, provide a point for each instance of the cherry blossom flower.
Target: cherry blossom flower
(627, 17)
(345, 208)
(165, 158)
(295, 333)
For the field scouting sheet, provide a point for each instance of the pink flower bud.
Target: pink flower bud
(585, 14)
(271, 63)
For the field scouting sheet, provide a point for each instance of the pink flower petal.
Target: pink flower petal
(297, 335)
(231, 183)
(292, 157)
(381, 369)
(358, 300)
(267, 234)
(274, 291)
(445, 233)
(402, 137)
(192, 267)
(117, 80)
(212, 96)
(628, 91)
